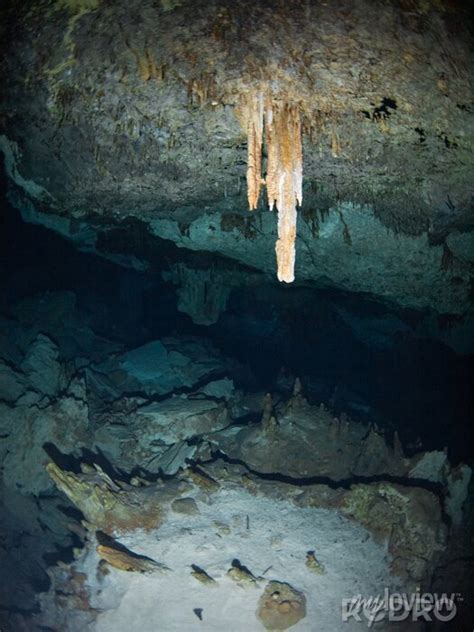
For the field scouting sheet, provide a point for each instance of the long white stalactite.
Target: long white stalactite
(284, 170)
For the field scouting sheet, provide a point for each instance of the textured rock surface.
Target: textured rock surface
(125, 560)
(202, 294)
(351, 250)
(42, 367)
(409, 520)
(108, 506)
(186, 506)
(22, 558)
(31, 429)
(459, 480)
(179, 418)
(127, 454)
(300, 441)
(161, 366)
(131, 112)
(281, 606)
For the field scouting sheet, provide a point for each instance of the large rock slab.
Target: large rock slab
(62, 426)
(179, 418)
(42, 367)
(160, 367)
(301, 441)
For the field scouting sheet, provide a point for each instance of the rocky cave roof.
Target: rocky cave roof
(123, 114)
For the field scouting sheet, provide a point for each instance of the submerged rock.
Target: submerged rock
(186, 506)
(409, 519)
(281, 606)
(42, 367)
(242, 575)
(125, 560)
(47, 414)
(107, 506)
(314, 564)
(430, 466)
(171, 459)
(402, 171)
(62, 425)
(203, 577)
(301, 441)
(202, 294)
(219, 389)
(178, 418)
(161, 367)
(281, 530)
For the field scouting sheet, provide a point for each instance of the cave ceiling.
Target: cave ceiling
(123, 113)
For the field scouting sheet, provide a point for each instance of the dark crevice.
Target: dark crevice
(383, 111)
(449, 143)
(71, 512)
(72, 463)
(421, 135)
(63, 554)
(435, 488)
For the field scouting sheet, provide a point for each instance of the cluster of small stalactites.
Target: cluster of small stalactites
(284, 175)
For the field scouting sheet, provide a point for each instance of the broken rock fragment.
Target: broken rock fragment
(125, 560)
(178, 418)
(185, 506)
(107, 506)
(241, 575)
(281, 606)
(201, 575)
(161, 366)
(314, 564)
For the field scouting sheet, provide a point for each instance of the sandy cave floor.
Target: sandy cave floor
(274, 545)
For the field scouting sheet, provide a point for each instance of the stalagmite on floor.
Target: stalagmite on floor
(284, 170)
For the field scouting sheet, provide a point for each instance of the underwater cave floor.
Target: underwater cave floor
(268, 536)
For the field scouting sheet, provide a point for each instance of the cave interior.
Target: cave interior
(236, 319)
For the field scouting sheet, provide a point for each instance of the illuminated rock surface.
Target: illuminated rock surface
(177, 427)
(139, 122)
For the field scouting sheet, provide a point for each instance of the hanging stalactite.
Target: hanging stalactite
(254, 152)
(284, 170)
(284, 179)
